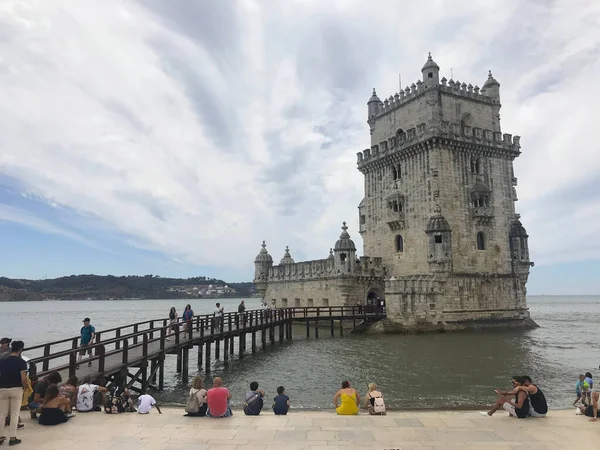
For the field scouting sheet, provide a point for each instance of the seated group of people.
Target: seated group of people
(529, 400)
(214, 402)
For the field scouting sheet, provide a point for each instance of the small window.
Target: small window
(438, 238)
(395, 207)
(480, 241)
(363, 219)
(399, 244)
(394, 173)
(310, 302)
(325, 302)
(297, 302)
(430, 75)
(342, 257)
(284, 302)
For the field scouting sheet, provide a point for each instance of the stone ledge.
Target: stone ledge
(312, 430)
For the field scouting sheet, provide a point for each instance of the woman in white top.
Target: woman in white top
(370, 399)
(199, 392)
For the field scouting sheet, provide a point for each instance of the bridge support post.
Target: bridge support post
(281, 325)
(341, 327)
(207, 364)
(200, 355)
(332, 329)
(179, 354)
(145, 375)
(217, 349)
(317, 328)
(226, 349)
(263, 338)
(307, 329)
(231, 343)
(161, 371)
(272, 334)
(242, 345)
(185, 353)
(254, 342)
(153, 364)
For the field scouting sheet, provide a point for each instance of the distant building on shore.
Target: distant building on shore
(443, 246)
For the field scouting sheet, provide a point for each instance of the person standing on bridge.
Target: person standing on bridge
(188, 313)
(173, 318)
(242, 307)
(88, 333)
(218, 313)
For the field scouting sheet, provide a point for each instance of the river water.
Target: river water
(450, 370)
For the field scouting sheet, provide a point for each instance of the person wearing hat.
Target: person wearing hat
(88, 333)
(5, 348)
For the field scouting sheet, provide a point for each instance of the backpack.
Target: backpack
(193, 404)
(378, 405)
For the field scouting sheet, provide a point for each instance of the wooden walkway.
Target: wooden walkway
(144, 345)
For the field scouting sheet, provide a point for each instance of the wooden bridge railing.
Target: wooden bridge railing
(62, 354)
(204, 326)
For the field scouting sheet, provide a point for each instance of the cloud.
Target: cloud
(197, 129)
(22, 217)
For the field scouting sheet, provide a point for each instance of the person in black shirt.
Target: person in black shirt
(13, 378)
(591, 410)
(537, 400)
(518, 408)
(281, 403)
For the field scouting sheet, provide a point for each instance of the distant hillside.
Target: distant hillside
(97, 287)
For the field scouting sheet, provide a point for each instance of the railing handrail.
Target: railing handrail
(196, 320)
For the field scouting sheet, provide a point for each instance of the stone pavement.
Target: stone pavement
(313, 430)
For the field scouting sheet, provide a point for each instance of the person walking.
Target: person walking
(188, 313)
(173, 318)
(13, 380)
(242, 307)
(88, 333)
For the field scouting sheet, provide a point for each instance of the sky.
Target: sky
(172, 137)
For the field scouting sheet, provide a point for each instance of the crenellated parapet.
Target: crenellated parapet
(403, 141)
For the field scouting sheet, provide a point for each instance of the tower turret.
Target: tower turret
(262, 263)
(374, 106)
(431, 72)
(344, 252)
(287, 258)
(491, 88)
(440, 242)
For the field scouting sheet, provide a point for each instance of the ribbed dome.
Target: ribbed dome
(287, 258)
(437, 222)
(518, 230)
(491, 81)
(344, 242)
(430, 64)
(263, 256)
(374, 98)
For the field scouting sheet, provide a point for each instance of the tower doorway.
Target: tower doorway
(375, 301)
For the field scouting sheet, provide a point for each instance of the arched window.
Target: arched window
(394, 173)
(480, 241)
(399, 244)
(475, 165)
(399, 171)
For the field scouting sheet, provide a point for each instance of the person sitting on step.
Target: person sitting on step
(374, 401)
(254, 400)
(218, 400)
(54, 409)
(591, 410)
(518, 408)
(281, 403)
(349, 398)
(196, 405)
(39, 392)
(91, 395)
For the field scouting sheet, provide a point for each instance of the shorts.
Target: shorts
(578, 393)
(533, 413)
(511, 410)
(85, 348)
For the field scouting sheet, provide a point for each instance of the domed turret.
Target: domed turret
(431, 72)
(344, 252)
(491, 88)
(374, 105)
(440, 242)
(262, 263)
(518, 230)
(344, 242)
(287, 258)
(519, 246)
(437, 222)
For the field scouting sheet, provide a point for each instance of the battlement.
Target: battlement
(325, 268)
(453, 131)
(419, 89)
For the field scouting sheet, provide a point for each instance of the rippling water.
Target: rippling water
(451, 370)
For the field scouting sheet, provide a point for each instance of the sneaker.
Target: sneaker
(71, 415)
(484, 413)
(14, 442)
(578, 411)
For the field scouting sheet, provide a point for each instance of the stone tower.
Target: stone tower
(438, 146)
